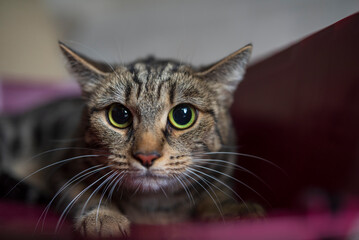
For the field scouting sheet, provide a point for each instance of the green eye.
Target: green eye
(182, 116)
(119, 116)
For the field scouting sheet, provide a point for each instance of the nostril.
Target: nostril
(147, 159)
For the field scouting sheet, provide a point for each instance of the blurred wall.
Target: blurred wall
(199, 32)
(28, 41)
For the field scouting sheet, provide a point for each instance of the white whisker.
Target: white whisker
(163, 191)
(209, 161)
(204, 179)
(215, 203)
(50, 165)
(62, 149)
(75, 178)
(121, 175)
(221, 182)
(111, 178)
(188, 193)
(206, 182)
(243, 155)
(233, 178)
(59, 222)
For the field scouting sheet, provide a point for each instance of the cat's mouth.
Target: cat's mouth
(149, 175)
(148, 180)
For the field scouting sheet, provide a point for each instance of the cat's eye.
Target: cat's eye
(182, 116)
(119, 116)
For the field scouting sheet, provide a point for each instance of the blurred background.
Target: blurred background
(198, 32)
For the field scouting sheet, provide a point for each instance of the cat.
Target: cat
(148, 144)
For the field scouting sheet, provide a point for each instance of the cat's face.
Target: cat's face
(155, 118)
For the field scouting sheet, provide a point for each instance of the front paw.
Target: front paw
(246, 210)
(231, 210)
(108, 223)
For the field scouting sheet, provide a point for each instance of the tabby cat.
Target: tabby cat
(148, 144)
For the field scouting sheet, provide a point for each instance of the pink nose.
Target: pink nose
(147, 159)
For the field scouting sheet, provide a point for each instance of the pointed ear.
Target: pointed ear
(88, 72)
(228, 72)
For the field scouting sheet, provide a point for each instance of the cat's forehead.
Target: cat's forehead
(155, 70)
(151, 85)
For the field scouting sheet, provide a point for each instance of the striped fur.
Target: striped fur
(178, 186)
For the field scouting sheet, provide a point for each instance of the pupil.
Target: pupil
(182, 115)
(120, 114)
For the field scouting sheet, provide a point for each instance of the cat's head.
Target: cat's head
(155, 118)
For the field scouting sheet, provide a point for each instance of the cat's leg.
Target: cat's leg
(220, 206)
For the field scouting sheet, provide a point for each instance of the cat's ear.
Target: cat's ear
(227, 73)
(89, 73)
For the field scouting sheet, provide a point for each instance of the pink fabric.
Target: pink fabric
(19, 220)
(17, 97)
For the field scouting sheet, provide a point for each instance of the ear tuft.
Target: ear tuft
(87, 71)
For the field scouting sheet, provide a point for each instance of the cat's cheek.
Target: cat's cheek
(213, 140)
(89, 137)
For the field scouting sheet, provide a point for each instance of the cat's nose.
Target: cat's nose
(146, 159)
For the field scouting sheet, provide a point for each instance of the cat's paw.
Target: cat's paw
(247, 210)
(233, 210)
(108, 223)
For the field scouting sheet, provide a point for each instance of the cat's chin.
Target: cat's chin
(148, 182)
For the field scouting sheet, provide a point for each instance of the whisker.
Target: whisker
(215, 203)
(68, 183)
(209, 161)
(235, 179)
(188, 193)
(243, 155)
(62, 149)
(59, 222)
(206, 182)
(109, 196)
(48, 166)
(190, 183)
(113, 177)
(204, 179)
(95, 191)
(163, 191)
(112, 183)
(138, 188)
(221, 182)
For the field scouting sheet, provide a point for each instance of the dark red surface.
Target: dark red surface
(300, 110)
(21, 221)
